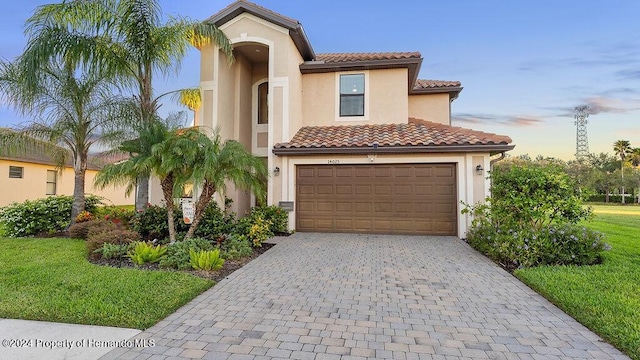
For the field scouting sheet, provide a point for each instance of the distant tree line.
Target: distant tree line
(600, 177)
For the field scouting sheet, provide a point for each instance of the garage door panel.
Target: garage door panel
(364, 189)
(383, 189)
(380, 225)
(344, 207)
(344, 225)
(424, 189)
(324, 207)
(344, 189)
(401, 189)
(381, 171)
(363, 225)
(385, 207)
(389, 198)
(344, 171)
(363, 208)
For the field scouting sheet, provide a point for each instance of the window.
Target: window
(16, 172)
(263, 103)
(352, 95)
(187, 190)
(51, 182)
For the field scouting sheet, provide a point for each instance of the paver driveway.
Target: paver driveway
(345, 296)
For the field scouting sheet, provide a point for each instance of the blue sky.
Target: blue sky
(524, 64)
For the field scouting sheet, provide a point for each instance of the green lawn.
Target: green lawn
(51, 280)
(606, 297)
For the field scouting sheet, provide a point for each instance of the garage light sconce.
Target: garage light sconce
(479, 170)
(372, 158)
(276, 171)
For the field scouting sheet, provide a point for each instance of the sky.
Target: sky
(524, 64)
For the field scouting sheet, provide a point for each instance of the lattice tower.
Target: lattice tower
(582, 140)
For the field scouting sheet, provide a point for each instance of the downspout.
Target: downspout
(493, 161)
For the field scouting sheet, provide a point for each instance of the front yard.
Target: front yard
(52, 280)
(605, 297)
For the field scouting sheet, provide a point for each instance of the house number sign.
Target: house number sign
(333, 162)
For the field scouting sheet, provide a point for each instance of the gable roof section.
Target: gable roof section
(294, 26)
(416, 136)
(365, 61)
(423, 86)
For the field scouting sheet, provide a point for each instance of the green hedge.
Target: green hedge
(48, 215)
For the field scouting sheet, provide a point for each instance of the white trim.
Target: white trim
(367, 96)
(462, 161)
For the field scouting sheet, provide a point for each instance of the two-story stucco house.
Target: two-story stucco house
(355, 141)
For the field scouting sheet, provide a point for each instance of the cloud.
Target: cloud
(596, 55)
(628, 74)
(619, 91)
(600, 105)
(490, 119)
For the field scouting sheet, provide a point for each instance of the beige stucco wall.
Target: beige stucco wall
(431, 107)
(34, 181)
(385, 98)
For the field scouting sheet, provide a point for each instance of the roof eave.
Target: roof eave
(419, 149)
(454, 91)
(295, 28)
(412, 64)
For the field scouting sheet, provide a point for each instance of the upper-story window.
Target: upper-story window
(352, 95)
(263, 103)
(16, 172)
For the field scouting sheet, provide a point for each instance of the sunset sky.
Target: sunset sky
(524, 64)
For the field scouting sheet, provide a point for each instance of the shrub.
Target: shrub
(113, 251)
(117, 214)
(152, 224)
(277, 218)
(214, 223)
(565, 244)
(235, 246)
(206, 259)
(47, 215)
(144, 252)
(531, 220)
(84, 229)
(84, 216)
(178, 253)
(96, 241)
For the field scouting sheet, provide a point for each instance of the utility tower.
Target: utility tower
(582, 141)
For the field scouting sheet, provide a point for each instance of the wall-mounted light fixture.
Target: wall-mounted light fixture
(479, 170)
(276, 171)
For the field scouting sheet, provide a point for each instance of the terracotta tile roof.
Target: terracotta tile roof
(429, 84)
(414, 133)
(348, 57)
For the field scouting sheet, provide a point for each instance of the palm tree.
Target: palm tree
(182, 155)
(217, 163)
(622, 148)
(635, 157)
(146, 156)
(125, 38)
(73, 113)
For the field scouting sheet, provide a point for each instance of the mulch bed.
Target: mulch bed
(229, 266)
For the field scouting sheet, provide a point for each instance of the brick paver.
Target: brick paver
(346, 296)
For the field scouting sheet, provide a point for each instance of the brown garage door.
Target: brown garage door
(388, 199)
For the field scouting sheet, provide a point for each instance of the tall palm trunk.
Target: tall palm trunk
(142, 195)
(167, 191)
(622, 174)
(208, 189)
(78, 193)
